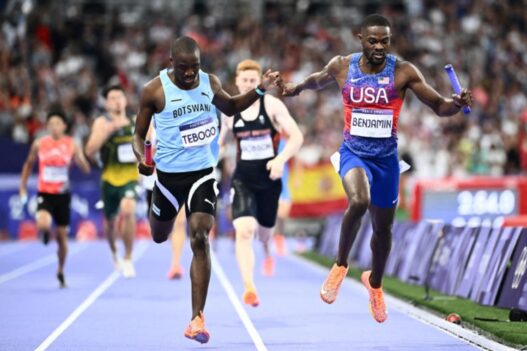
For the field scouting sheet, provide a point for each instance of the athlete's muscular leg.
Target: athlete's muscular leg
(109, 230)
(62, 242)
(200, 225)
(178, 238)
(127, 209)
(245, 228)
(160, 229)
(43, 221)
(357, 189)
(264, 235)
(381, 241)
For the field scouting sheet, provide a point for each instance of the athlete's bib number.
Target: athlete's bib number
(55, 174)
(199, 133)
(125, 153)
(257, 148)
(371, 123)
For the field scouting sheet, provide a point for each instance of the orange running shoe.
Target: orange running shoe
(268, 267)
(377, 306)
(176, 273)
(196, 330)
(279, 241)
(250, 298)
(330, 288)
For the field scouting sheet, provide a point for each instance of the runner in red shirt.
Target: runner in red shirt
(54, 152)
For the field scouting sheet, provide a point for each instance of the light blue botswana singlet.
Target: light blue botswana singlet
(187, 129)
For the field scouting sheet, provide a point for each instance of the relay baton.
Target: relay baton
(148, 153)
(455, 84)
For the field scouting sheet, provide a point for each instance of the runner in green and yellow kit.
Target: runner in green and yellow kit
(112, 136)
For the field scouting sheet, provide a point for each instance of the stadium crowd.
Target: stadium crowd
(55, 54)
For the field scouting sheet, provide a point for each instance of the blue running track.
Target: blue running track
(100, 310)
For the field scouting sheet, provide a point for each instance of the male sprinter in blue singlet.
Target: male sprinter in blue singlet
(183, 101)
(373, 84)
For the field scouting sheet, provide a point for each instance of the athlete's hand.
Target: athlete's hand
(275, 168)
(22, 193)
(269, 79)
(464, 99)
(145, 169)
(289, 89)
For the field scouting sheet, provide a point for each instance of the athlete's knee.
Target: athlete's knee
(246, 228)
(383, 233)
(358, 205)
(43, 225)
(159, 237)
(199, 235)
(43, 221)
(245, 233)
(264, 234)
(160, 230)
(200, 226)
(128, 208)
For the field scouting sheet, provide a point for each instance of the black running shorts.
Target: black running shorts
(196, 191)
(260, 202)
(58, 206)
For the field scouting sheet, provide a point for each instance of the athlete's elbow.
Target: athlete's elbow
(85, 167)
(230, 108)
(300, 140)
(89, 152)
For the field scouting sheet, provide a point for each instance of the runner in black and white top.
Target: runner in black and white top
(256, 184)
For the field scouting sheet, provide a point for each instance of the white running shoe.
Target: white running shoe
(128, 269)
(117, 262)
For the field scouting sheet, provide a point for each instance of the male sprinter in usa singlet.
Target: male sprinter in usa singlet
(183, 101)
(373, 84)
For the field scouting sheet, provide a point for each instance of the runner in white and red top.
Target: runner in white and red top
(55, 153)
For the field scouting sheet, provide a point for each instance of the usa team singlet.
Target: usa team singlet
(371, 110)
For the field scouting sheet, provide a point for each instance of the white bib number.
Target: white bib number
(55, 174)
(257, 148)
(199, 133)
(371, 123)
(125, 153)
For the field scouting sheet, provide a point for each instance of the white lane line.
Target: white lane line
(30, 267)
(107, 283)
(469, 336)
(246, 320)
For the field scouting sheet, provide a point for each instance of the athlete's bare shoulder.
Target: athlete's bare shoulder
(100, 123)
(152, 86)
(273, 104)
(405, 68)
(405, 72)
(37, 142)
(215, 83)
(339, 64)
(271, 99)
